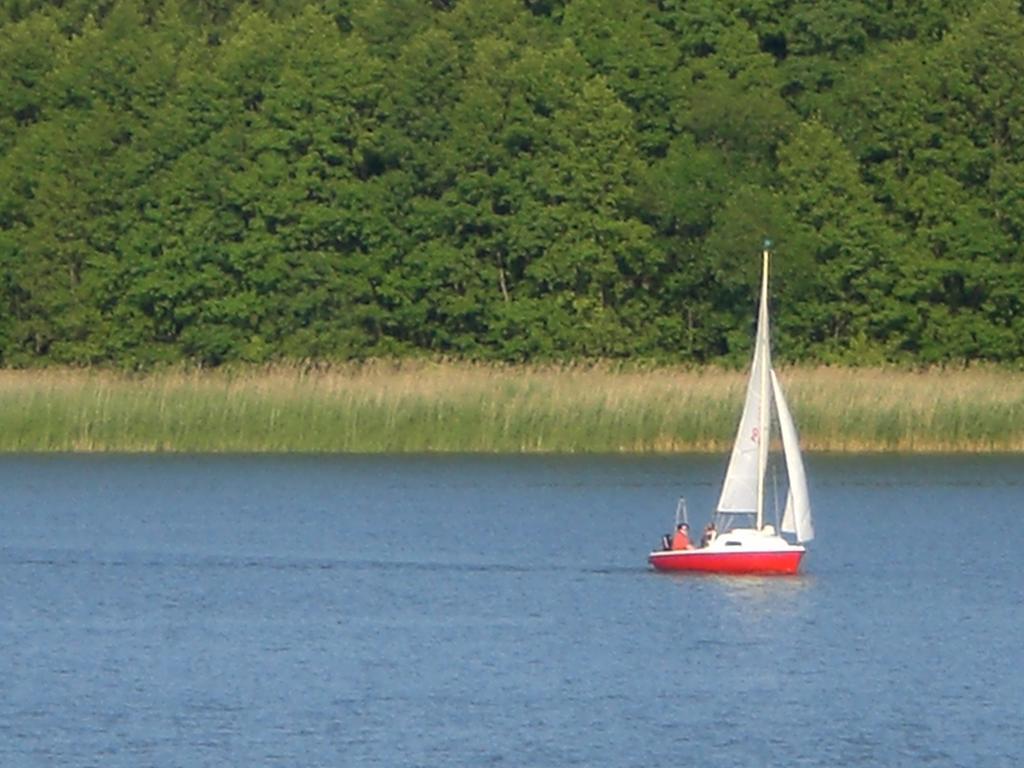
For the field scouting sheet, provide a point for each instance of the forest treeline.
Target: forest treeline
(515, 180)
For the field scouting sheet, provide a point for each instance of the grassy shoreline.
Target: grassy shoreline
(454, 407)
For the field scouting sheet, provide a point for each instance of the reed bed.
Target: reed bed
(449, 407)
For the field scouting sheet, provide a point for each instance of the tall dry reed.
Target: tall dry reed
(391, 407)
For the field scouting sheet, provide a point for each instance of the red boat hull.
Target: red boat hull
(781, 562)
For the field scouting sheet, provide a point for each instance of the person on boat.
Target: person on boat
(709, 534)
(681, 539)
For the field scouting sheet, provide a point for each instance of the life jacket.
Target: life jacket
(680, 540)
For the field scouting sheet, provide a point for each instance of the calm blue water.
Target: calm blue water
(467, 611)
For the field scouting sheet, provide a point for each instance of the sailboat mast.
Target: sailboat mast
(764, 365)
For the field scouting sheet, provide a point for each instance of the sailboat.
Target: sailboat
(739, 538)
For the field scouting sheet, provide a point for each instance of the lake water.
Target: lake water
(496, 611)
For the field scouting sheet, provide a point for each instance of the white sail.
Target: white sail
(788, 524)
(797, 516)
(739, 490)
(743, 488)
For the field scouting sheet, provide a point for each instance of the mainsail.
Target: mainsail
(743, 488)
(739, 491)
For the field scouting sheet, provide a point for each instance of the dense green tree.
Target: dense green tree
(852, 250)
(624, 42)
(507, 179)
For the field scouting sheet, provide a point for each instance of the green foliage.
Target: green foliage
(507, 180)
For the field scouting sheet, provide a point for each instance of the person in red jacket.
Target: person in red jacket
(681, 539)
